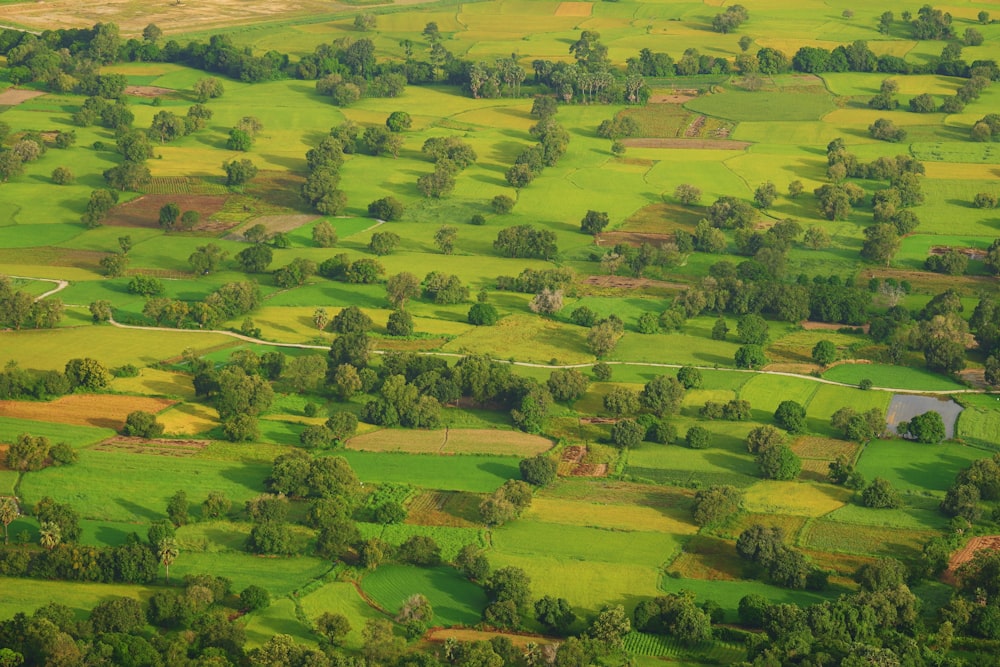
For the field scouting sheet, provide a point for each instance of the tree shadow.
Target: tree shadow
(139, 511)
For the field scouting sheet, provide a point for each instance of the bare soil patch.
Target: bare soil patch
(14, 96)
(971, 253)
(812, 447)
(181, 16)
(278, 189)
(82, 259)
(634, 239)
(829, 326)
(677, 96)
(444, 508)
(662, 218)
(975, 377)
(148, 91)
(441, 635)
(626, 282)
(85, 409)
(154, 446)
(275, 223)
(966, 553)
(693, 144)
(571, 464)
(145, 211)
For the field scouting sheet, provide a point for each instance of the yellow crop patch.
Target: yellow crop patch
(794, 498)
(962, 171)
(574, 9)
(615, 517)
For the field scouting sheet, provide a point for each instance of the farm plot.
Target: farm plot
(826, 535)
(451, 441)
(152, 446)
(904, 408)
(613, 517)
(444, 508)
(102, 411)
(479, 474)
(707, 558)
(455, 599)
(916, 466)
(22, 595)
(533, 538)
(78, 436)
(829, 398)
(766, 392)
(795, 498)
(968, 552)
(283, 574)
(278, 618)
(450, 539)
(145, 211)
(729, 593)
(660, 646)
(341, 598)
(979, 423)
(117, 486)
(893, 377)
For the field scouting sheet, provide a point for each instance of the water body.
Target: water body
(905, 407)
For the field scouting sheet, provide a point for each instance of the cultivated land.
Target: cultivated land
(617, 526)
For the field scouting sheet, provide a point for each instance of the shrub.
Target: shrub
(62, 176)
(698, 437)
(253, 598)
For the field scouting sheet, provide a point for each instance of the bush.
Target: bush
(387, 208)
(483, 314)
(253, 598)
(62, 176)
(539, 470)
(698, 437)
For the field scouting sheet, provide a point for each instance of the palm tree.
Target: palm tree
(51, 535)
(167, 551)
(8, 512)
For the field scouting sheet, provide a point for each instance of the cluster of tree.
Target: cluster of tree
(987, 128)
(229, 301)
(952, 262)
(716, 504)
(492, 80)
(27, 148)
(19, 309)
(733, 410)
(553, 140)
(938, 330)
(362, 271)
(590, 78)
(533, 281)
(526, 241)
(506, 503)
(731, 19)
(321, 189)
(859, 426)
(676, 615)
(765, 551)
(29, 453)
(980, 481)
(927, 428)
(19, 383)
(451, 155)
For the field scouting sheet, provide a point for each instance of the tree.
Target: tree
(333, 627)
(87, 373)
(539, 470)
(824, 352)
(927, 427)
(698, 437)
(383, 243)
(567, 385)
(399, 323)
(884, 129)
(687, 194)
(49, 535)
(483, 314)
(151, 33)
(177, 509)
(610, 627)
(603, 337)
(169, 214)
(254, 598)
(716, 504)
(167, 552)
(662, 395)
(763, 437)
(791, 416)
(62, 176)
(400, 288)
(502, 204)
(627, 433)
(879, 494)
(206, 259)
(752, 330)
(398, 121)
(142, 424)
(750, 356)
(63, 517)
(881, 243)
(778, 462)
(386, 208)
(239, 172)
(208, 88)
(216, 505)
(9, 511)
(255, 258)
(621, 401)
(765, 194)
(555, 614)
(594, 222)
(547, 302)
(689, 377)
(445, 237)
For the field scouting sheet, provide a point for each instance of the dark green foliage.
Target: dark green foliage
(927, 427)
(142, 425)
(689, 377)
(555, 614)
(778, 462)
(750, 356)
(483, 314)
(791, 416)
(880, 494)
(715, 504)
(387, 208)
(698, 437)
(254, 598)
(627, 433)
(594, 222)
(824, 352)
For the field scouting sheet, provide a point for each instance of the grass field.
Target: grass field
(593, 541)
(455, 600)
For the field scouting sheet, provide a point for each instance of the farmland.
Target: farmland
(419, 320)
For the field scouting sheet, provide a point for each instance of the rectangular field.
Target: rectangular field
(825, 535)
(451, 441)
(480, 474)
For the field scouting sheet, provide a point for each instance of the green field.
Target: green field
(617, 526)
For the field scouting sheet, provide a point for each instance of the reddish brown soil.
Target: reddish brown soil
(3, 457)
(828, 326)
(148, 91)
(634, 239)
(105, 411)
(971, 253)
(12, 96)
(155, 446)
(625, 282)
(145, 211)
(966, 553)
(570, 464)
(695, 144)
(676, 97)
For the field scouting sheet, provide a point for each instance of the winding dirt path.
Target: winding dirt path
(528, 364)
(60, 285)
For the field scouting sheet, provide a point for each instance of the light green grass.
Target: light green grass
(481, 474)
(916, 466)
(450, 539)
(455, 600)
(729, 593)
(112, 486)
(78, 436)
(278, 618)
(829, 398)
(340, 598)
(279, 575)
(766, 392)
(741, 105)
(894, 377)
(27, 595)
